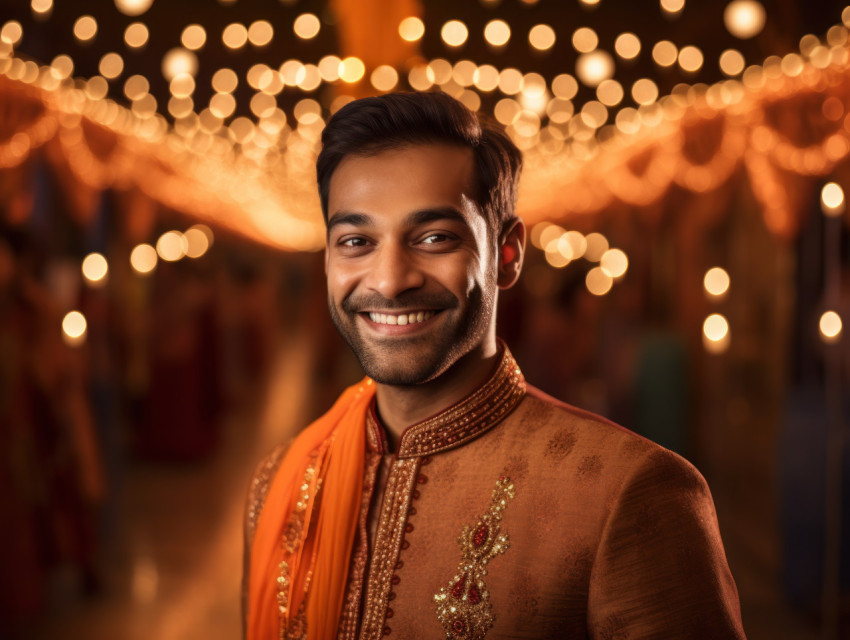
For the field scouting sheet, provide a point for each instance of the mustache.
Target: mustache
(366, 302)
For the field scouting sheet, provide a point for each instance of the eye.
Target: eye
(435, 238)
(353, 242)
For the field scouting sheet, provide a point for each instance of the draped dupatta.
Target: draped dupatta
(302, 545)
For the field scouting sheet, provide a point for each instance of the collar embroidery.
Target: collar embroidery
(464, 421)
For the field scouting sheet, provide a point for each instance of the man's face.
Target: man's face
(411, 271)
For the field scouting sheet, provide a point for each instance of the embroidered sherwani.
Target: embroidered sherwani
(511, 515)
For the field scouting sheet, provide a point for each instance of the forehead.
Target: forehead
(398, 181)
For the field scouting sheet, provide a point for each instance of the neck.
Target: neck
(402, 406)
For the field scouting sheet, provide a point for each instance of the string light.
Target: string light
(225, 81)
(715, 332)
(95, 268)
(497, 33)
(384, 78)
(74, 328)
(627, 46)
(564, 86)
(609, 92)
(351, 69)
(665, 53)
(585, 40)
(171, 246)
(716, 282)
(136, 35)
(411, 29)
(594, 67)
(306, 26)
(614, 263)
(133, 7)
(85, 28)
(193, 37)
(744, 18)
(143, 259)
(830, 327)
(199, 238)
(179, 61)
(598, 282)
(690, 59)
(672, 7)
(11, 33)
(732, 62)
(234, 36)
(111, 66)
(261, 32)
(41, 7)
(454, 33)
(832, 199)
(541, 37)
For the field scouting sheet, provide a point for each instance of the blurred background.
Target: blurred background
(162, 303)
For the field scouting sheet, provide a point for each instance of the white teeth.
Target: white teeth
(401, 319)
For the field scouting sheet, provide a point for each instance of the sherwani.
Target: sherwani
(513, 515)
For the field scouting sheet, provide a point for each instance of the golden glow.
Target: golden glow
(144, 106)
(541, 37)
(836, 36)
(85, 28)
(260, 33)
(262, 104)
(329, 68)
(463, 72)
(597, 245)
(421, 78)
(74, 328)
(133, 7)
(716, 281)
(627, 46)
(199, 239)
(507, 111)
(690, 59)
(225, 80)
(830, 326)
(536, 231)
(744, 18)
(497, 33)
(351, 69)
(179, 61)
(97, 88)
(454, 33)
(143, 259)
(41, 6)
(609, 93)
(182, 85)
(441, 69)
(136, 35)
(11, 33)
(111, 65)
(564, 86)
(510, 81)
(832, 199)
(180, 107)
(62, 67)
(193, 37)
(95, 269)
(306, 26)
(292, 71)
(792, 65)
(411, 29)
(136, 86)
(486, 77)
(665, 53)
(715, 328)
(222, 105)
(614, 263)
(732, 62)
(309, 77)
(590, 3)
(598, 282)
(171, 246)
(672, 6)
(384, 78)
(307, 111)
(594, 114)
(594, 67)
(255, 75)
(234, 36)
(585, 40)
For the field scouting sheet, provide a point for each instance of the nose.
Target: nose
(393, 271)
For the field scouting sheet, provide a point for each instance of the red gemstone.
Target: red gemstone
(387, 631)
(458, 626)
(459, 586)
(408, 527)
(390, 613)
(480, 535)
(405, 544)
(474, 595)
(395, 579)
(422, 479)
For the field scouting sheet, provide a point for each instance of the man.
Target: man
(443, 496)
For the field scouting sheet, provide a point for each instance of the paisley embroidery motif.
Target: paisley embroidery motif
(463, 607)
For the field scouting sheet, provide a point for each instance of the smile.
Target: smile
(400, 318)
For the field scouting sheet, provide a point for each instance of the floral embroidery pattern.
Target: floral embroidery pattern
(464, 608)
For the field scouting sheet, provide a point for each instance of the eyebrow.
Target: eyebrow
(423, 216)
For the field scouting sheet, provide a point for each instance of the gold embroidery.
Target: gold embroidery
(469, 418)
(387, 547)
(464, 608)
(260, 488)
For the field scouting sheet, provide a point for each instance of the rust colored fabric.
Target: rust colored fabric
(511, 515)
(308, 523)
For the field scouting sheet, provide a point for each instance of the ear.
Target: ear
(511, 253)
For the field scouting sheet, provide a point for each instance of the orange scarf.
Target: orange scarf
(305, 532)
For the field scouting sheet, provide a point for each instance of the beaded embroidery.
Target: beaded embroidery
(464, 608)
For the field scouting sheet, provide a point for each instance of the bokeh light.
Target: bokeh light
(85, 28)
(541, 37)
(716, 281)
(199, 238)
(627, 46)
(171, 246)
(193, 37)
(143, 258)
(614, 262)
(830, 326)
(598, 282)
(832, 199)
(715, 333)
(411, 29)
(136, 35)
(95, 268)
(744, 18)
(306, 26)
(497, 33)
(133, 7)
(454, 33)
(594, 67)
(74, 328)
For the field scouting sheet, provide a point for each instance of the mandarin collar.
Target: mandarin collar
(463, 421)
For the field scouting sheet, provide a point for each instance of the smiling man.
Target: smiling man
(443, 496)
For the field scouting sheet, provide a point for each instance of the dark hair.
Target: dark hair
(371, 125)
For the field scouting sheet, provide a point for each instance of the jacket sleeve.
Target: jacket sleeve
(660, 570)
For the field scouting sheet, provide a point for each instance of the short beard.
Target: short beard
(445, 349)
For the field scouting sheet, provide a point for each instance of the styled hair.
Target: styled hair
(370, 126)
